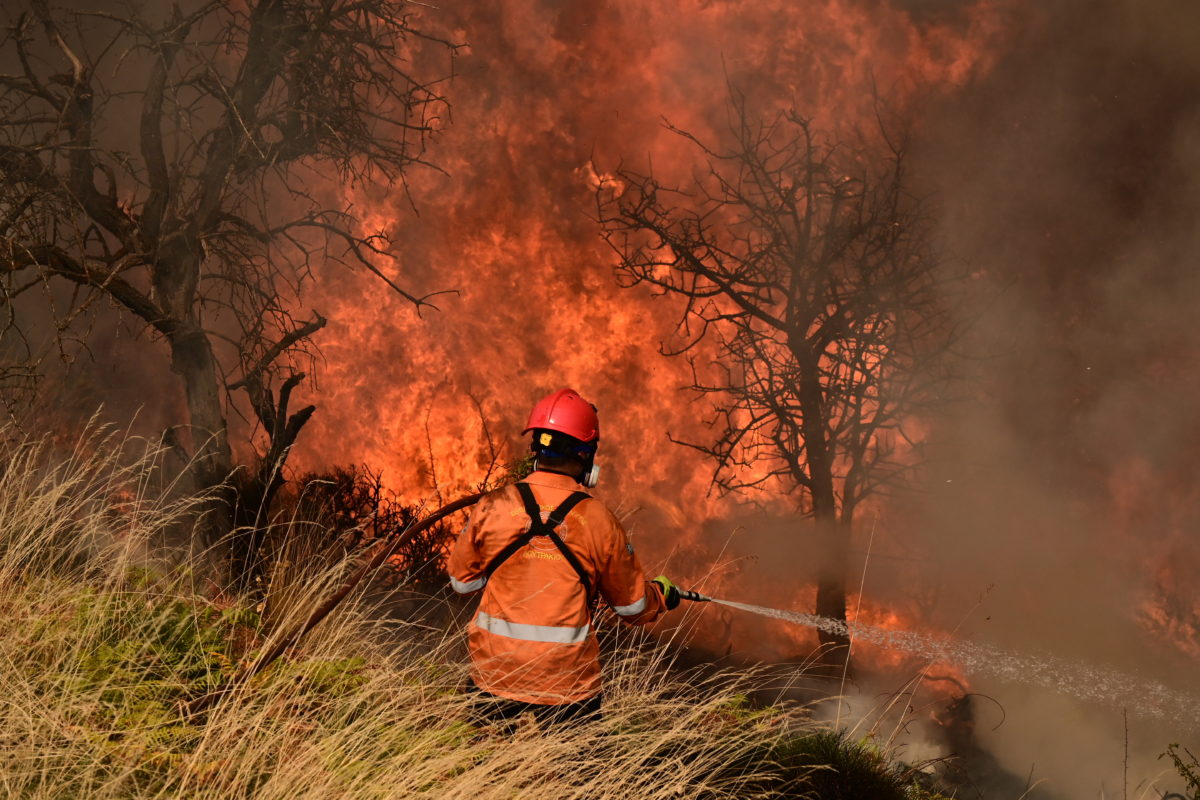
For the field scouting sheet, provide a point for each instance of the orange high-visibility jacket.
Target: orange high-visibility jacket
(532, 639)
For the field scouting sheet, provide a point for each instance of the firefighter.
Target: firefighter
(543, 554)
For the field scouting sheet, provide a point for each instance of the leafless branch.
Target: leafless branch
(180, 167)
(805, 270)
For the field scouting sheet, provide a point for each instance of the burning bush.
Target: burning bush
(351, 511)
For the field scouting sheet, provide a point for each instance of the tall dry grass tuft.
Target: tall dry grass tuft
(74, 508)
(102, 643)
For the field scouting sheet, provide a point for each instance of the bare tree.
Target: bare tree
(189, 169)
(805, 264)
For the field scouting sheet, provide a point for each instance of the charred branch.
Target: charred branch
(254, 374)
(282, 431)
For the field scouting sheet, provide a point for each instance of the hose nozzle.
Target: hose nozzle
(695, 597)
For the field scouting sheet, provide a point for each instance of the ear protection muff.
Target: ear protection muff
(592, 476)
(559, 445)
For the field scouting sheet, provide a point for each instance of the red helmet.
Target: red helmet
(566, 412)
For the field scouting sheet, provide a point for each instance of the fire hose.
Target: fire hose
(370, 563)
(840, 628)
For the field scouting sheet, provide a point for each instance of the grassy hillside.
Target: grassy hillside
(101, 642)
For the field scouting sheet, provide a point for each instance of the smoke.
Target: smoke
(1068, 177)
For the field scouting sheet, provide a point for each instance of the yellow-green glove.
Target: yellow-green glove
(670, 591)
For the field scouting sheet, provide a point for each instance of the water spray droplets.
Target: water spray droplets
(1094, 684)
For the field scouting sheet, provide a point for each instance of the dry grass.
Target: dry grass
(100, 643)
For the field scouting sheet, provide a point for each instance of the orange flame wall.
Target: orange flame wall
(544, 91)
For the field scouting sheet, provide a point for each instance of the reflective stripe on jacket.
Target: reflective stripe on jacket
(532, 638)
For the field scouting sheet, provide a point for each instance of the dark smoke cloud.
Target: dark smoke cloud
(1070, 182)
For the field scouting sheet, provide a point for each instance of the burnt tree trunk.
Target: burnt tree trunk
(212, 461)
(831, 580)
(179, 258)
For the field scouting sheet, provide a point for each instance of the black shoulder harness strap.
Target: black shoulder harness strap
(539, 528)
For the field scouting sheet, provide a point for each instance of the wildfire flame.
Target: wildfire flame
(545, 107)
